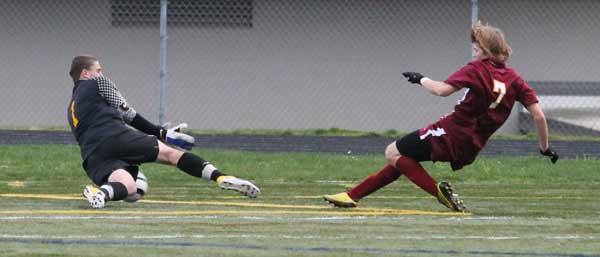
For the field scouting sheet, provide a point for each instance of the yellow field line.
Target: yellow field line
(77, 196)
(228, 212)
(42, 196)
(464, 197)
(357, 211)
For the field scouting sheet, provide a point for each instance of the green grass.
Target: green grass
(329, 132)
(519, 207)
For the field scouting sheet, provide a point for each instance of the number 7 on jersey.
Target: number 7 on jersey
(499, 88)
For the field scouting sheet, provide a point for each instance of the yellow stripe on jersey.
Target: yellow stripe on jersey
(73, 117)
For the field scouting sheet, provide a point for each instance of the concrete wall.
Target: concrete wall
(303, 64)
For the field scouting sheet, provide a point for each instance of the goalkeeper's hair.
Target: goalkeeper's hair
(491, 40)
(79, 63)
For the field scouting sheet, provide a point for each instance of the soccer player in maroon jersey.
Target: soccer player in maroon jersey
(491, 91)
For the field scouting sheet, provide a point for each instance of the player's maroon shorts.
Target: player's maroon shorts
(459, 150)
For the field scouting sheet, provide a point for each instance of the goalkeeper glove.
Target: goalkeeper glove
(175, 137)
(413, 77)
(552, 154)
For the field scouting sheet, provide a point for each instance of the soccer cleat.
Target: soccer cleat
(243, 186)
(94, 196)
(340, 200)
(446, 197)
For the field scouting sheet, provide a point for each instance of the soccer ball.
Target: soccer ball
(142, 183)
(142, 188)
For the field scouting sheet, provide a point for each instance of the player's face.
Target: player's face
(93, 72)
(477, 52)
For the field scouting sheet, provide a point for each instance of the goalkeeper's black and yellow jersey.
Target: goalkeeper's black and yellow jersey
(97, 111)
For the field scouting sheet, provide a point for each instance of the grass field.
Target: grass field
(517, 207)
(391, 133)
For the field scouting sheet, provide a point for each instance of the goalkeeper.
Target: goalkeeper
(492, 88)
(103, 125)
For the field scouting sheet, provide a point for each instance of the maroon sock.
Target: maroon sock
(374, 182)
(417, 174)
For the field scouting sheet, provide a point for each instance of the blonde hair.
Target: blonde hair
(491, 41)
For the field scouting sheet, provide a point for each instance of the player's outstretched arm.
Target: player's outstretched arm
(539, 119)
(438, 88)
(173, 136)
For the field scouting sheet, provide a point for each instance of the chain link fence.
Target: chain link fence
(284, 64)
(39, 40)
(555, 50)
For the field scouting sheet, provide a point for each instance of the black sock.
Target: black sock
(114, 191)
(215, 175)
(198, 167)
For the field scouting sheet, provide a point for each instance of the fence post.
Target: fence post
(474, 19)
(163, 60)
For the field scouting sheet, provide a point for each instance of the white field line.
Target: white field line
(108, 217)
(335, 181)
(208, 217)
(302, 237)
(285, 218)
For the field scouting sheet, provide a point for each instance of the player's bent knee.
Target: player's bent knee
(131, 188)
(174, 155)
(168, 154)
(123, 177)
(392, 154)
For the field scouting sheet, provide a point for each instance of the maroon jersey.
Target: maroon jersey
(492, 89)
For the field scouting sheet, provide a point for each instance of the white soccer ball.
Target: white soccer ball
(142, 183)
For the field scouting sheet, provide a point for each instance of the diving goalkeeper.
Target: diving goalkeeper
(114, 140)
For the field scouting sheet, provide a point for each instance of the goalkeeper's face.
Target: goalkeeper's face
(93, 71)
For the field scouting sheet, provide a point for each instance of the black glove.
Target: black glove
(413, 77)
(552, 154)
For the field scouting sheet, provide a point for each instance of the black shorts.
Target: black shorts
(123, 151)
(414, 147)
